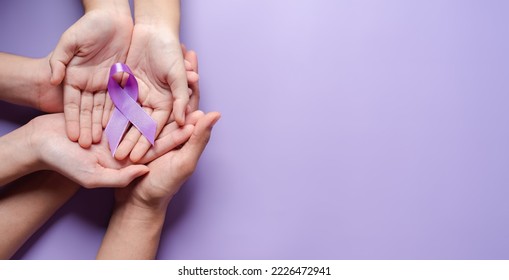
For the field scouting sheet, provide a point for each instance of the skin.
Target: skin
(25, 81)
(135, 226)
(81, 62)
(156, 58)
(76, 70)
(152, 49)
(28, 203)
(42, 145)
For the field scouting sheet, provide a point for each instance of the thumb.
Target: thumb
(200, 137)
(107, 177)
(61, 56)
(178, 87)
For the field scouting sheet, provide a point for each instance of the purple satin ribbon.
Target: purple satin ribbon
(126, 109)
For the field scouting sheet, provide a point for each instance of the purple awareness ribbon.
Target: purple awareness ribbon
(126, 109)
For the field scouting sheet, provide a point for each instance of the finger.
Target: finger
(178, 87)
(194, 147)
(192, 77)
(61, 56)
(192, 58)
(97, 116)
(171, 126)
(106, 177)
(180, 104)
(87, 103)
(108, 110)
(193, 117)
(129, 141)
(168, 142)
(188, 65)
(194, 99)
(184, 49)
(127, 144)
(194, 85)
(143, 145)
(72, 101)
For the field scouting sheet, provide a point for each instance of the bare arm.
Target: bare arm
(18, 155)
(41, 144)
(135, 226)
(25, 81)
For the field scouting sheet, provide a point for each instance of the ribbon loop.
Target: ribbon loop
(126, 109)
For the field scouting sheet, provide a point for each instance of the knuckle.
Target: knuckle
(85, 111)
(98, 106)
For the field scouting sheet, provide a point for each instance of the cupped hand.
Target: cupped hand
(171, 170)
(82, 59)
(158, 64)
(93, 167)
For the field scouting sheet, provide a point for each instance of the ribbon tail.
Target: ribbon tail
(139, 118)
(115, 130)
(146, 125)
(127, 110)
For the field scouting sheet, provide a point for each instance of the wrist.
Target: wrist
(142, 204)
(133, 233)
(41, 78)
(17, 79)
(140, 212)
(151, 193)
(32, 143)
(163, 15)
(116, 6)
(18, 151)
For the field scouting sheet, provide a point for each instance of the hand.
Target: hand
(92, 167)
(84, 56)
(191, 64)
(48, 96)
(155, 56)
(170, 171)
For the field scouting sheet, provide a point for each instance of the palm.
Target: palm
(158, 65)
(68, 157)
(102, 41)
(84, 54)
(95, 166)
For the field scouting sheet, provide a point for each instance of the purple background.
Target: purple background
(350, 130)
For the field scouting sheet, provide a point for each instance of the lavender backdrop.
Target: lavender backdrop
(350, 130)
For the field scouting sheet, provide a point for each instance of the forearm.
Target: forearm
(26, 207)
(17, 79)
(133, 233)
(162, 13)
(18, 155)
